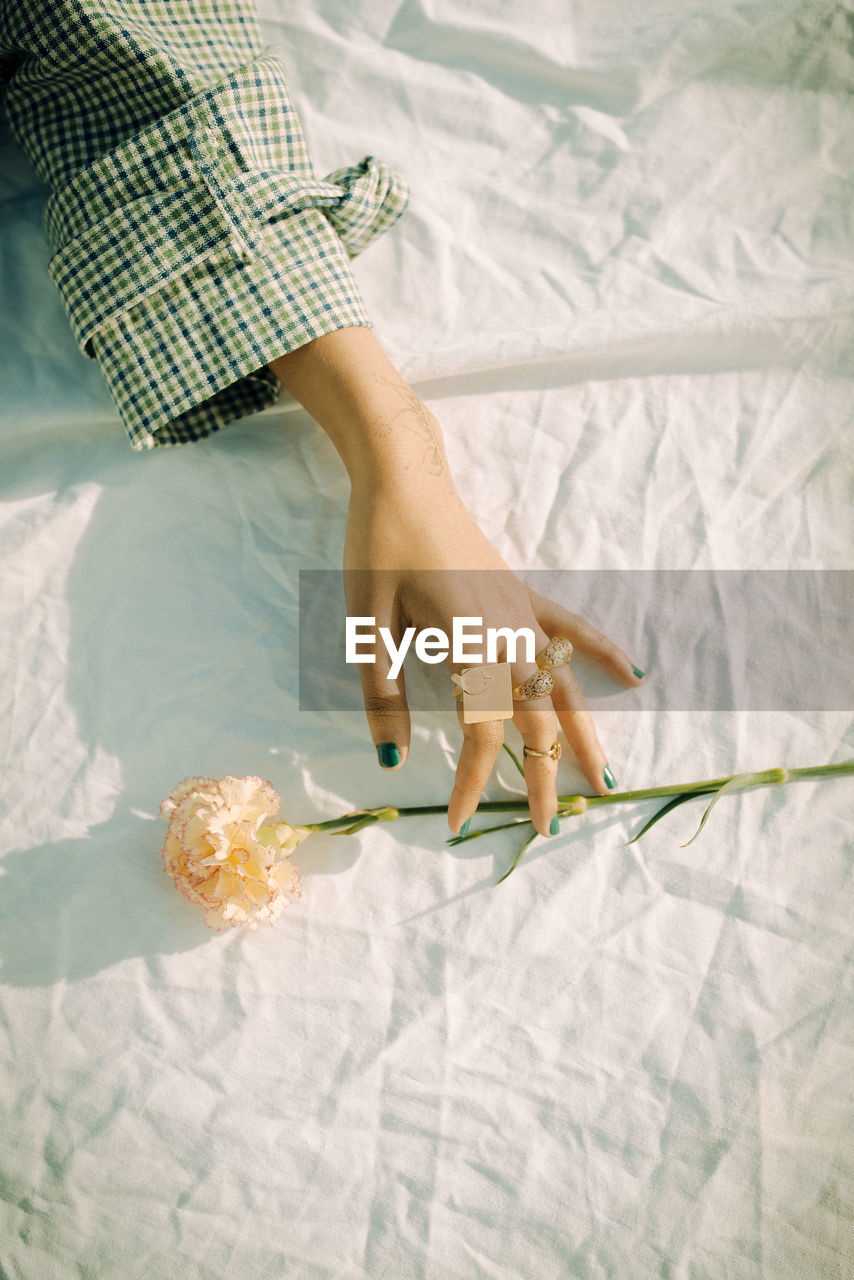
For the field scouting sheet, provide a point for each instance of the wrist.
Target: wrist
(382, 431)
(397, 449)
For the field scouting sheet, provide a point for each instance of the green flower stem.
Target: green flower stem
(389, 814)
(763, 778)
(574, 804)
(570, 806)
(361, 818)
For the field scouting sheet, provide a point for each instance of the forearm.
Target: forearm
(383, 432)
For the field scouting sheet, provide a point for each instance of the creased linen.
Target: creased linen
(623, 284)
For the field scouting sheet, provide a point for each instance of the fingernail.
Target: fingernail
(388, 755)
(554, 826)
(639, 675)
(610, 780)
(464, 829)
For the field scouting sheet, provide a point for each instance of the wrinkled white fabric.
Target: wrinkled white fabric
(624, 286)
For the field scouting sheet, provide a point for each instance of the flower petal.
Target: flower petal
(221, 859)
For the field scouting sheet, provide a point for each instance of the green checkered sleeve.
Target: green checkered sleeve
(192, 240)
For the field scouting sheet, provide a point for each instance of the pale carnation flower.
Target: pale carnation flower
(224, 854)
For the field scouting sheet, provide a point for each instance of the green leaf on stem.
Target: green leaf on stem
(664, 810)
(525, 847)
(486, 831)
(738, 783)
(367, 821)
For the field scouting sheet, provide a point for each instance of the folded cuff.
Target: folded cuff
(204, 247)
(190, 358)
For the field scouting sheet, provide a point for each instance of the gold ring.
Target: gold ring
(553, 752)
(557, 653)
(473, 681)
(539, 685)
(485, 692)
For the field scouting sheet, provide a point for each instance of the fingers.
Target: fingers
(577, 723)
(385, 699)
(567, 698)
(388, 715)
(537, 723)
(481, 745)
(557, 621)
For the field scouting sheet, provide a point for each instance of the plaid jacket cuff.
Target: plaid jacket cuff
(203, 247)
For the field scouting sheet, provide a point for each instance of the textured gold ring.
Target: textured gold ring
(553, 752)
(557, 653)
(539, 685)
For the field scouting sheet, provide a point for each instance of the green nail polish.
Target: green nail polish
(610, 780)
(638, 673)
(554, 826)
(388, 754)
(464, 829)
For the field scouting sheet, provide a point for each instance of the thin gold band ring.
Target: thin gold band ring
(553, 752)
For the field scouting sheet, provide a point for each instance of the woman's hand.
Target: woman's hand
(422, 561)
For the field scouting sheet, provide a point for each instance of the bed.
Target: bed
(623, 285)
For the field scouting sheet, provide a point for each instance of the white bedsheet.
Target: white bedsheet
(624, 286)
